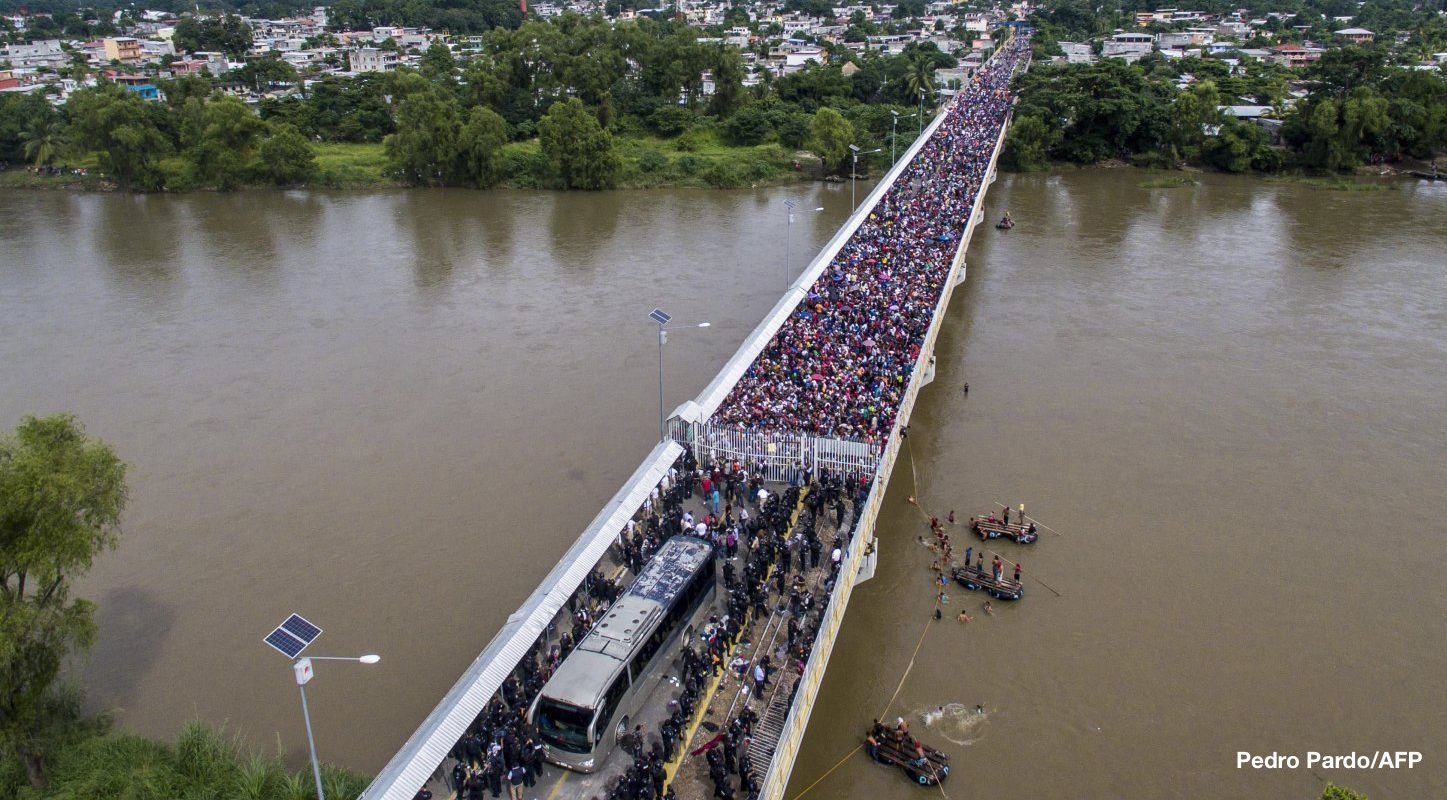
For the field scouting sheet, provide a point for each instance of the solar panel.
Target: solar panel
(297, 626)
(658, 316)
(285, 643)
(292, 636)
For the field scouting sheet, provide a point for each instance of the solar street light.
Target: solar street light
(854, 170)
(662, 317)
(788, 233)
(289, 638)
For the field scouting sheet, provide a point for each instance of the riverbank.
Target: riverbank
(91, 760)
(1362, 180)
(699, 161)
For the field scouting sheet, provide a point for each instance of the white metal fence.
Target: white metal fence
(775, 455)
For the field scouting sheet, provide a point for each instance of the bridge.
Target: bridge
(723, 424)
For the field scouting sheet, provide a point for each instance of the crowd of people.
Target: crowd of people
(748, 525)
(839, 365)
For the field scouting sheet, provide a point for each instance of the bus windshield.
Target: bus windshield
(564, 726)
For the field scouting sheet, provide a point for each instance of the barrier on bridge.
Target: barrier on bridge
(775, 455)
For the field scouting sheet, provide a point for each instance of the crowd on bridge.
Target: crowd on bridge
(839, 365)
(764, 558)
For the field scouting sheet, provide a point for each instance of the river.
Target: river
(392, 411)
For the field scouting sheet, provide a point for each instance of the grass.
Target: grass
(1170, 182)
(22, 178)
(1329, 183)
(205, 762)
(350, 166)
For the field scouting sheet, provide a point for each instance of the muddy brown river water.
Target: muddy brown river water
(392, 412)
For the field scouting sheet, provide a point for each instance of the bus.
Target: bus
(595, 694)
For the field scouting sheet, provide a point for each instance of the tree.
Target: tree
(1194, 110)
(44, 139)
(61, 496)
(1028, 144)
(479, 148)
(423, 151)
(1334, 792)
(220, 137)
(749, 126)
(123, 131)
(286, 157)
(580, 151)
(438, 64)
(830, 135)
(229, 34)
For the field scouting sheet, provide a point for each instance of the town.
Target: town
(257, 59)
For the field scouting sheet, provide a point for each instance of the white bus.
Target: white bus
(596, 692)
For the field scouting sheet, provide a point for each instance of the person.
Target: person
(938, 614)
(1017, 572)
(515, 777)
(951, 517)
(966, 389)
(989, 609)
(1005, 518)
(964, 617)
(423, 794)
(969, 551)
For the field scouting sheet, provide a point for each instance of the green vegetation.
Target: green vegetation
(61, 498)
(1171, 182)
(1362, 104)
(1358, 111)
(92, 762)
(1334, 792)
(575, 103)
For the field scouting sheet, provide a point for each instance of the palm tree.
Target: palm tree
(921, 76)
(43, 140)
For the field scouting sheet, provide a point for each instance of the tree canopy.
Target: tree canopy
(61, 497)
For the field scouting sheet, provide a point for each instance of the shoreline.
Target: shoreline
(645, 163)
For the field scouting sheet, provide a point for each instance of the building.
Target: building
(1077, 52)
(45, 53)
(372, 59)
(1294, 55)
(1129, 46)
(140, 84)
(1356, 35)
(215, 63)
(122, 48)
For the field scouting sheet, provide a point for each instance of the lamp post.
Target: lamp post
(292, 636)
(854, 170)
(658, 316)
(788, 235)
(303, 669)
(921, 112)
(894, 134)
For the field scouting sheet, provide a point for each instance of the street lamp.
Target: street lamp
(894, 133)
(921, 111)
(854, 170)
(290, 638)
(788, 233)
(662, 318)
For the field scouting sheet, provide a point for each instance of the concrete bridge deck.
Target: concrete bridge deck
(425, 758)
